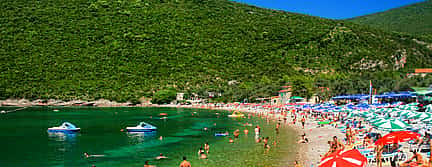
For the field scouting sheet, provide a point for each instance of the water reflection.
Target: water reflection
(136, 137)
(61, 136)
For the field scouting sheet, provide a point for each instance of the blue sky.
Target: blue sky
(333, 9)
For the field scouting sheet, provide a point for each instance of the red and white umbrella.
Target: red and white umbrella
(344, 158)
(397, 137)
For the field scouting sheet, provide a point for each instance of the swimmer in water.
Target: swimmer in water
(231, 140)
(90, 156)
(146, 164)
(161, 156)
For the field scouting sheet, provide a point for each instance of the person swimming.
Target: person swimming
(231, 140)
(161, 156)
(86, 155)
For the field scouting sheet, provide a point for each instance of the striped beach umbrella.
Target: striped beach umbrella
(422, 115)
(397, 137)
(378, 120)
(427, 119)
(429, 108)
(343, 158)
(392, 125)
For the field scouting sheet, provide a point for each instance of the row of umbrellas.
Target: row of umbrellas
(354, 158)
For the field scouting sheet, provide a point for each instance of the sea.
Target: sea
(24, 140)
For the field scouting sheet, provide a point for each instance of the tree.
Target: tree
(302, 86)
(164, 96)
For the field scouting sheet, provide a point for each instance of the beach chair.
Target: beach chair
(370, 156)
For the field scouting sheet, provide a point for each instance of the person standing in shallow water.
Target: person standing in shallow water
(277, 128)
(207, 147)
(236, 133)
(185, 163)
(257, 131)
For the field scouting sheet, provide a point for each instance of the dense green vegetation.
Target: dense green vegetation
(415, 19)
(164, 96)
(125, 49)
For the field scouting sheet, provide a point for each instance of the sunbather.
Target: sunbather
(417, 156)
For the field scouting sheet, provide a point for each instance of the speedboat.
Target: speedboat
(142, 127)
(65, 127)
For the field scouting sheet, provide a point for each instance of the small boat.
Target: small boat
(236, 114)
(142, 127)
(65, 127)
(221, 134)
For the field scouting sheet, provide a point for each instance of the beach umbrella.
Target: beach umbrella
(351, 115)
(422, 115)
(392, 125)
(342, 158)
(370, 115)
(296, 97)
(429, 108)
(427, 119)
(378, 120)
(405, 113)
(323, 122)
(397, 137)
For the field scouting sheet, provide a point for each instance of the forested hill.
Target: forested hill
(415, 19)
(125, 49)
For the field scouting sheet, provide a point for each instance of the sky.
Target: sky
(332, 9)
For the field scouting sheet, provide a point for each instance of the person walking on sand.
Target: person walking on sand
(379, 150)
(185, 163)
(296, 164)
(303, 121)
(348, 134)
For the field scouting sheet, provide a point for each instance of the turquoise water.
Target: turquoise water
(25, 141)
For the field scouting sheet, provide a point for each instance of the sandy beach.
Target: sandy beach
(310, 153)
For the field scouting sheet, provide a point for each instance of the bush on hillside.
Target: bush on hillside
(164, 96)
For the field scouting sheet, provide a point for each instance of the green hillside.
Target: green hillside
(125, 49)
(415, 19)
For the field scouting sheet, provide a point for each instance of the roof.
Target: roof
(422, 90)
(423, 70)
(286, 90)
